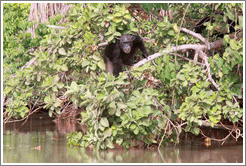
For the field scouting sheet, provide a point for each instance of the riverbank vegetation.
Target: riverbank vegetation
(53, 60)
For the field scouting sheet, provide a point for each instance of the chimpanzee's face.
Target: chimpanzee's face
(126, 43)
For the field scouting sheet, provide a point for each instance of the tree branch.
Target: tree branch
(196, 47)
(28, 63)
(196, 35)
(204, 57)
(218, 126)
(173, 49)
(103, 44)
(56, 27)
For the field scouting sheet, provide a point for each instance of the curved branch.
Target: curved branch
(196, 47)
(204, 57)
(196, 35)
(173, 49)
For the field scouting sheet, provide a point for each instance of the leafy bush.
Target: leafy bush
(148, 104)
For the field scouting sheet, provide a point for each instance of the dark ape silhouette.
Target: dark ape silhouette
(199, 27)
(122, 52)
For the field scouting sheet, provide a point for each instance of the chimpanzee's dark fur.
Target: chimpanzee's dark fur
(122, 52)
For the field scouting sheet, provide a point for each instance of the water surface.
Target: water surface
(41, 140)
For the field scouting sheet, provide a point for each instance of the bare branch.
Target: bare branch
(218, 126)
(103, 44)
(196, 47)
(204, 57)
(28, 63)
(56, 27)
(173, 49)
(196, 35)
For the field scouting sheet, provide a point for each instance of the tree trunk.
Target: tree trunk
(41, 12)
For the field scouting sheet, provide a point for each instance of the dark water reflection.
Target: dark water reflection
(41, 141)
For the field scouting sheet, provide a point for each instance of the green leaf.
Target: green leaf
(60, 85)
(229, 103)
(193, 80)
(112, 105)
(110, 17)
(62, 51)
(220, 62)
(156, 113)
(117, 34)
(124, 122)
(161, 24)
(107, 132)
(233, 44)
(109, 143)
(7, 90)
(117, 15)
(133, 126)
(50, 113)
(230, 15)
(134, 29)
(181, 77)
(185, 83)
(110, 38)
(199, 122)
(64, 67)
(136, 131)
(118, 112)
(85, 62)
(196, 130)
(104, 122)
(101, 65)
(227, 38)
(121, 105)
(128, 16)
(111, 111)
(119, 141)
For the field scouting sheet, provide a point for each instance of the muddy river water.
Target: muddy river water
(41, 140)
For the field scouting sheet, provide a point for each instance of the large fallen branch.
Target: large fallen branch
(185, 47)
(172, 50)
(198, 49)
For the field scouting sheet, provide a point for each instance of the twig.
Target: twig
(161, 155)
(56, 27)
(218, 126)
(28, 63)
(24, 117)
(103, 44)
(204, 57)
(219, 140)
(162, 137)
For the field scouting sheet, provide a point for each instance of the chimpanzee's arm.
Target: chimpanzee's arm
(140, 44)
(117, 61)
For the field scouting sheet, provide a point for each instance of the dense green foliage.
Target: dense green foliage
(15, 42)
(148, 104)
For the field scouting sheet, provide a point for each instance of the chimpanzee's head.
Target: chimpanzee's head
(126, 42)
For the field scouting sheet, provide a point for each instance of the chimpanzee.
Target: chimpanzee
(122, 51)
(199, 27)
